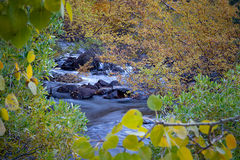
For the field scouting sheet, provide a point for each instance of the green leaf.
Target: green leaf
(117, 128)
(104, 155)
(131, 143)
(69, 11)
(18, 18)
(83, 148)
(154, 103)
(157, 134)
(2, 128)
(40, 18)
(111, 142)
(21, 37)
(2, 83)
(52, 5)
(145, 153)
(123, 156)
(132, 119)
(5, 28)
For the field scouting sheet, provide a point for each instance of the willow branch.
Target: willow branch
(200, 123)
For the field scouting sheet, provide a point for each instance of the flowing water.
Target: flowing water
(102, 113)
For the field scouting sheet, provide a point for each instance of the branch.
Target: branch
(221, 121)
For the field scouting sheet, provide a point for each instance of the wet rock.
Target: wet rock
(112, 67)
(69, 64)
(67, 88)
(103, 91)
(82, 93)
(117, 94)
(90, 86)
(87, 56)
(115, 83)
(96, 72)
(66, 78)
(101, 83)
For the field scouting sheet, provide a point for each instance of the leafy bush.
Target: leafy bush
(37, 127)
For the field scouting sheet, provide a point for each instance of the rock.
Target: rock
(69, 64)
(103, 91)
(101, 83)
(85, 57)
(96, 72)
(66, 78)
(82, 93)
(67, 88)
(117, 94)
(115, 83)
(90, 86)
(112, 67)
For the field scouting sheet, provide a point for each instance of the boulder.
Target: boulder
(67, 88)
(82, 93)
(69, 64)
(117, 94)
(104, 90)
(90, 86)
(66, 78)
(112, 67)
(115, 83)
(85, 57)
(101, 83)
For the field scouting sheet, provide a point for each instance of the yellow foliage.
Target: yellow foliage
(167, 39)
(231, 141)
(1, 65)
(11, 102)
(4, 114)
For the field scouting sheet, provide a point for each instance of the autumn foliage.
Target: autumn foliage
(166, 42)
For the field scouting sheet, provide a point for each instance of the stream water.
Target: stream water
(102, 113)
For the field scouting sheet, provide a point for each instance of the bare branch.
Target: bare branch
(221, 121)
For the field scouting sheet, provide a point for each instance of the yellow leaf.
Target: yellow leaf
(32, 87)
(132, 119)
(2, 83)
(117, 128)
(145, 130)
(31, 56)
(204, 128)
(231, 141)
(35, 80)
(4, 114)
(184, 154)
(37, 31)
(69, 11)
(1, 65)
(17, 72)
(180, 131)
(11, 102)
(29, 71)
(163, 142)
(2, 128)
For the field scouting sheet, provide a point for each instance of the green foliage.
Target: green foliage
(210, 100)
(33, 125)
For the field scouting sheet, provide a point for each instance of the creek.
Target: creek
(103, 114)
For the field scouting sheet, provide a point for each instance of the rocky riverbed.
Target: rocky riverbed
(103, 99)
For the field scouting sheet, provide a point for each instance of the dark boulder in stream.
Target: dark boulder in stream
(69, 64)
(82, 93)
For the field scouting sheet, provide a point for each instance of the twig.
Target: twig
(200, 123)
